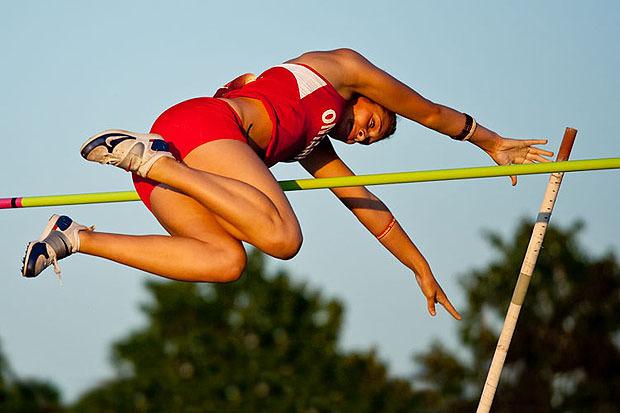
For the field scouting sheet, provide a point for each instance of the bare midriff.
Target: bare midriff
(255, 121)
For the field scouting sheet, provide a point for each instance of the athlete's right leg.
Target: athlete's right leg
(222, 194)
(237, 200)
(224, 175)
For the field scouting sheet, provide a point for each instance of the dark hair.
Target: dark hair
(391, 124)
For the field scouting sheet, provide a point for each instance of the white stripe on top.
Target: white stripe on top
(307, 80)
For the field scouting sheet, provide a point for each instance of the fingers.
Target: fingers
(430, 302)
(434, 294)
(443, 300)
(538, 151)
(530, 142)
(449, 307)
(532, 157)
(530, 145)
(517, 151)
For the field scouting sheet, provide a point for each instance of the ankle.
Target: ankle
(84, 239)
(161, 168)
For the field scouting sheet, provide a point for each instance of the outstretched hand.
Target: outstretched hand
(515, 151)
(434, 294)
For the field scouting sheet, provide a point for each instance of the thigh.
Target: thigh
(205, 134)
(236, 160)
(181, 215)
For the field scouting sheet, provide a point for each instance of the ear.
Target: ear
(364, 100)
(367, 103)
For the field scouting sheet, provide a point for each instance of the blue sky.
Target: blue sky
(70, 69)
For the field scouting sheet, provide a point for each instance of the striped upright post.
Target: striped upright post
(527, 268)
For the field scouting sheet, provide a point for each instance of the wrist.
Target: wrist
(485, 139)
(420, 266)
(468, 129)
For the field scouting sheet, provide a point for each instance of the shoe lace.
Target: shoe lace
(54, 259)
(109, 159)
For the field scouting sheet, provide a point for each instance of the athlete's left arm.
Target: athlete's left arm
(323, 162)
(234, 84)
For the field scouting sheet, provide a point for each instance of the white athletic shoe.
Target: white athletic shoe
(135, 152)
(58, 240)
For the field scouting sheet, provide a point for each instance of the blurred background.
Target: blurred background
(70, 69)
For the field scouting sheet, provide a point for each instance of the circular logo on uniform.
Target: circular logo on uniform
(329, 116)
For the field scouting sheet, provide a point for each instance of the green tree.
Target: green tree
(261, 344)
(564, 355)
(26, 396)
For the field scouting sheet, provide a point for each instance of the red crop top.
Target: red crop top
(302, 106)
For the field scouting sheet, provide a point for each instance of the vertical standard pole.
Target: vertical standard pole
(527, 268)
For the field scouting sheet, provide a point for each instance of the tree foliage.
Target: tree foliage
(26, 396)
(267, 344)
(261, 344)
(564, 355)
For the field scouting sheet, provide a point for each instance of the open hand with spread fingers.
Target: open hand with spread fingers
(507, 151)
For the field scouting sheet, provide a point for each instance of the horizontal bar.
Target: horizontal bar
(451, 174)
(346, 181)
(76, 199)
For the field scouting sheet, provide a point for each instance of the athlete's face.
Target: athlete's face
(363, 121)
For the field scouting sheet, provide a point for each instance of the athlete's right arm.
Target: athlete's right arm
(323, 162)
(351, 73)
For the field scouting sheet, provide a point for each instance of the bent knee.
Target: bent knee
(235, 265)
(231, 263)
(286, 245)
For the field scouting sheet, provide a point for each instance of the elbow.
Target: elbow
(349, 59)
(433, 117)
(346, 53)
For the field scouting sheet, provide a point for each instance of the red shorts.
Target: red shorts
(188, 125)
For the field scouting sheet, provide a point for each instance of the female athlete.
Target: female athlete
(203, 169)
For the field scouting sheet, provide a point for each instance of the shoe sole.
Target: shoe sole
(100, 139)
(27, 266)
(142, 142)
(52, 224)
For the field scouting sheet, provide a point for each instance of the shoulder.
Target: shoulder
(343, 59)
(341, 67)
(341, 54)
